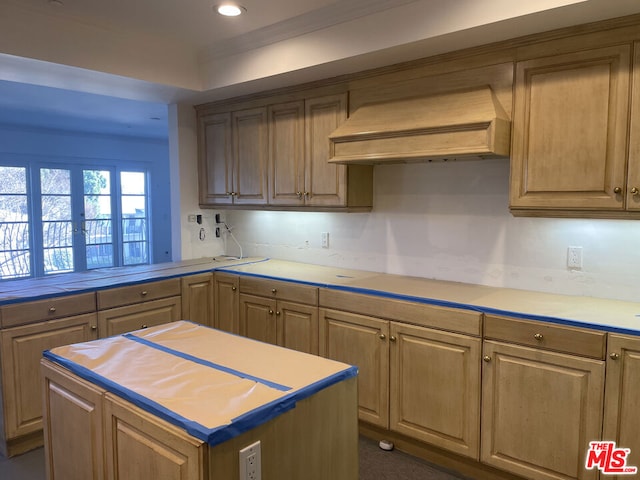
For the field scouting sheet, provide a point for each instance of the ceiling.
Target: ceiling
(113, 66)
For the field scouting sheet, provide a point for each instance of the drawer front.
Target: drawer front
(143, 292)
(572, 340)
(121, 320)
(49, 309)
(279, 290)
(443, 318)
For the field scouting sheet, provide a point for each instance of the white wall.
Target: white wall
(450, 221)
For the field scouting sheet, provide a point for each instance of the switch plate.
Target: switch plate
(251, 462)
(191, 218)
(324, 236)
(574, 258)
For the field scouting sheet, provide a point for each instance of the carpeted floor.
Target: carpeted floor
(378, 464)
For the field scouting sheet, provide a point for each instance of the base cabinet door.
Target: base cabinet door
(622, 398)
(197, 298)
(361, 341)
(72, 427)
(435, 387)
(138, 446)
(540, 410)
(22, 349)
(297, 326)
(226, 302)
(258, 318)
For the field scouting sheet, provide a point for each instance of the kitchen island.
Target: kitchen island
(182, 400)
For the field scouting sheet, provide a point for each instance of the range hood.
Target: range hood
(458, 124)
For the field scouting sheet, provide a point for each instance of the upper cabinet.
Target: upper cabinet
(276, 156)
(570, 124)
(232, 157)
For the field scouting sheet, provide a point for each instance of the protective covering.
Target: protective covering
(213, 384)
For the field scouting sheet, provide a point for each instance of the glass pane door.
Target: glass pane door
(97, 223)
(57, 220)
(15, 252)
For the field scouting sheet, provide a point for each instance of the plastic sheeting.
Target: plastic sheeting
(213, 384)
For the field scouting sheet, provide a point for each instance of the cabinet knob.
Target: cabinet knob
(392, 338)
(382, 336)
(233, 288)
(274, 290)
(94, 327)
(538, 336)
(306, 194)
(617, 190)
(486, 358)
(299, 194)
(144, 325)
(614, 356)
(634, 191)
(144, 293)
(270, 312)
(52, 310)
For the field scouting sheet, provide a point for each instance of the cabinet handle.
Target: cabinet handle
(306, 194)
(634, 191)
(299, 194)
(392, 338)
(52, 309)
(614, 356)
(144, 325)
(144, 293)
(274, 290)
(486, 358)
(617, 190)
(382, 336)
(538, 336)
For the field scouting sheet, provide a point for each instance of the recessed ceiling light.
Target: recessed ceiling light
(230, 9)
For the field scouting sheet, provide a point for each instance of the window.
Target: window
(57, 220)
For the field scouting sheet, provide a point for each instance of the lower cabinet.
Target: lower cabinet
(197, 298)
(21, 393)
(541, 407)
(288, 324)
(226, 302)
(622, 397)
(417, 381)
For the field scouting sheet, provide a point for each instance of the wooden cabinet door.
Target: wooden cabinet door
(286, 154)
(226, 302)
(215, 159)
(72, 426)
(326, 183)
(22, 349)
(633, 178)
(116, 321)
(570, 130)
(197, 298)
(622, 397)
(139, 445)
(540, 410)
(297, 326)
(258, 319)
(361, 341)
(435, 387)
(250, 144)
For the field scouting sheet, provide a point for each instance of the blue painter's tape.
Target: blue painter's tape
(206, 363)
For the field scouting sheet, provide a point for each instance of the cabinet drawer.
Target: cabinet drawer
(39, 310)
(572, 340)
(294, 292)
(443, 318)
(143, 292)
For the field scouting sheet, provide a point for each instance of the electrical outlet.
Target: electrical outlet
(574, 258)
(191, 218)
(325, 239)
(251, 462)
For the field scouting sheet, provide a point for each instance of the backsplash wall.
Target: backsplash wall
(450, 221)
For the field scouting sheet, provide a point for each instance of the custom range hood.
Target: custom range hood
(447, 126)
